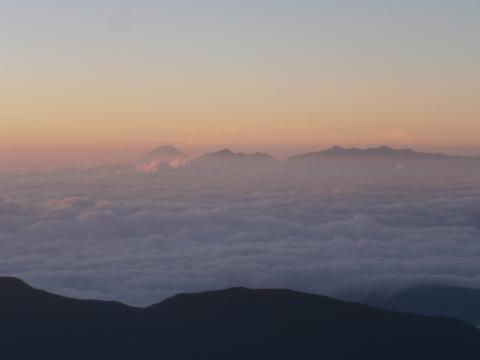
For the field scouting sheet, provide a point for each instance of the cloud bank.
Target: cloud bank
(139, 238)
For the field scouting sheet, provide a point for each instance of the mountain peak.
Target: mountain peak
(225, 151)
(9, 283)
(166, 150)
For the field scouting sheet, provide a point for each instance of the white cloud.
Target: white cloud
(138, 239)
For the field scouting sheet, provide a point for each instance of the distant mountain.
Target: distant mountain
(227, 158)
(164, 157)
(166, 151)
(377, 153)
(434, 300)
(234, 324)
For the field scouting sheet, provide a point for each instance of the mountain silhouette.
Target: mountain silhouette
(166, 151)
(237, 323)
(228, 158)
(434, 300)
(165, 157)
(376, 153)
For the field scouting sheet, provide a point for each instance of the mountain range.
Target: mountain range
(376, 153)
(228, 158)
(232, 324)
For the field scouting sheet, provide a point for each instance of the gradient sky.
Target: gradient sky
(216, 71)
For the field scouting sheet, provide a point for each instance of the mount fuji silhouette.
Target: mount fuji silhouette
(166, 151)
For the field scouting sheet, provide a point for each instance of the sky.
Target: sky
(240, 72)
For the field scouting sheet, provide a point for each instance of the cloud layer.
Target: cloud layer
(139, 238)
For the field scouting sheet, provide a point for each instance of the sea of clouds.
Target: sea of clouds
(111, 233)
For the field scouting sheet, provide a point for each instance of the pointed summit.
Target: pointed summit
(337, 150)
(163, 157)
(166, 151)
(224, 152)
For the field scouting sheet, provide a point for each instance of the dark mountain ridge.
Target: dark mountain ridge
(376, 153)
(237, 323)
(227, 158)
(433, 300)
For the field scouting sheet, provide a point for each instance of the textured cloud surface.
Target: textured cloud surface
(138, 238)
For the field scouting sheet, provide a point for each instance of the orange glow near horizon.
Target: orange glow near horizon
(277, 112)
(224, 77)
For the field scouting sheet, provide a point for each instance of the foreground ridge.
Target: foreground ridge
(236, 323)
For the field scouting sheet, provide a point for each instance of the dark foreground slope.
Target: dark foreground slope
(434, 300)
(232, 324)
